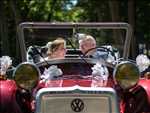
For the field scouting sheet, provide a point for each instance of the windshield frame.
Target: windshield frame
(100, 25)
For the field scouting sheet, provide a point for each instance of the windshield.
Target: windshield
(40, 35)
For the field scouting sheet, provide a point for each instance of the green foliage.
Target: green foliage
(143, 19)
(16, 11)
(50, 10)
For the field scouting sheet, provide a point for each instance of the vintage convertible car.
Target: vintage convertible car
(111, 84)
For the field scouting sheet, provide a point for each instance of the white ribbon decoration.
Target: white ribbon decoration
(143, 62)
(51, 72)
(5, 63)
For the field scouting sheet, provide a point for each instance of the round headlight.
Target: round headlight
(126, 74)
(26, 75)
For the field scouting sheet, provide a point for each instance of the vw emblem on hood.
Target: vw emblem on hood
(77, 105)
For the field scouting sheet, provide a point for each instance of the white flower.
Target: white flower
(5, 63)
(100, 70)
(51, 72)
(143, 62)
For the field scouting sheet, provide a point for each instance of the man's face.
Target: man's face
(87, 45)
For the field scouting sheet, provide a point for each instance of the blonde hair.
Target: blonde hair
(54, 45)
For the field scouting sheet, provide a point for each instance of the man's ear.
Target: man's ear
(82, 47)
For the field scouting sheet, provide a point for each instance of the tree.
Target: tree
(131, 20)
(4, 44)
(114, 9)
(13, 12)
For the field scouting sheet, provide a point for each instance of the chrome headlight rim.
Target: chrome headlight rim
(29, 86)
(131, 82)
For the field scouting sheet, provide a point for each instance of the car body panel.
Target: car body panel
(145, 83)
(8, 96)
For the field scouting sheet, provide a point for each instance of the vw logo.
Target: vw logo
(77, 105)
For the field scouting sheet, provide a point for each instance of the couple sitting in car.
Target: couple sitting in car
(87, 45)
(57, 48)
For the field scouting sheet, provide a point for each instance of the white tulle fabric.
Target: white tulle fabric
(52, 72)
(100, 75)
(5, 63)
(143, 62)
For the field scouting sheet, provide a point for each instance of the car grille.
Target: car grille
(77, 102)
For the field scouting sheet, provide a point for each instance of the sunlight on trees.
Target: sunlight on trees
(13, 12)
